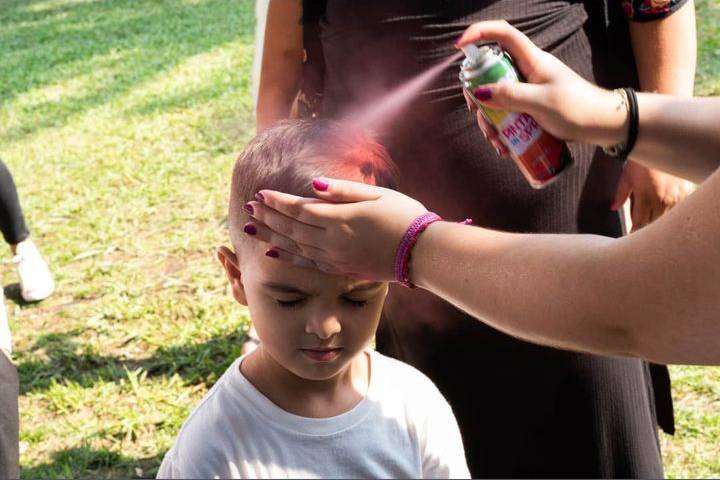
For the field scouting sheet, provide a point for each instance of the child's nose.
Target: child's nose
(323, 326)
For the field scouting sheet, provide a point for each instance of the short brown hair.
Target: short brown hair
(287, 156)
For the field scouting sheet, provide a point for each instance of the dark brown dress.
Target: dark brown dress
(524, 410)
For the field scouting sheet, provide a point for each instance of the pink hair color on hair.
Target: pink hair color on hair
(287, 156)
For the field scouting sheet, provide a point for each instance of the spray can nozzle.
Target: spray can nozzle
(471, 51)
(477, 56)
(477, 61)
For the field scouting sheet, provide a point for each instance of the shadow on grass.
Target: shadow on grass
(194, 363)
(85, 462)
(133, 40)
(13, 292)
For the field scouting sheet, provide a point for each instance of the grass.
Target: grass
(708, 31)
(120, 120)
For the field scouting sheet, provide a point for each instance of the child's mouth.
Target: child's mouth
(322, 354)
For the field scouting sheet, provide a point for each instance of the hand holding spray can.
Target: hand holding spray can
(540, 156)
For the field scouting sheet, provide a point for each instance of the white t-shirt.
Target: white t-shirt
(403, 428)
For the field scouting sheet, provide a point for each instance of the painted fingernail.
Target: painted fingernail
(272, 253)
(250, 229)
(320, 185)
(613, 206)
(483, 93)
(249, 208)
(260, 197)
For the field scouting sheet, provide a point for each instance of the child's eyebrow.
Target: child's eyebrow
(365, 287)
(284, 288)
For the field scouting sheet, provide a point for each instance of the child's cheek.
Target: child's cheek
(365, 320)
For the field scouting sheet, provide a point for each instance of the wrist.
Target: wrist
(614, 121)
(423, 255)
(403, 254)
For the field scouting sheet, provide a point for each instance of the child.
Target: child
(312, 400)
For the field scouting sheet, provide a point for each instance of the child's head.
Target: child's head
(311, 323)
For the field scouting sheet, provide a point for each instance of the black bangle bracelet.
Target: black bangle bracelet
(634, 115)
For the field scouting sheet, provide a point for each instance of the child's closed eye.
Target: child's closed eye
(355, 302)
(294, 303)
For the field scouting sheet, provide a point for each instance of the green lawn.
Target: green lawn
(120, 120)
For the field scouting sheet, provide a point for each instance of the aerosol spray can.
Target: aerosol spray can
(540, 156)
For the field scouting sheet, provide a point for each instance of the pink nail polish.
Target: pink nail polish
(250, 229)
(320, 185)
(260, 197)
(613, 207)
(249, 208)
(483, 93)
(272, 253)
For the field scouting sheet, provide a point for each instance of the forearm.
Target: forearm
(281, 66)
(680, 136)
(652, 294)
(537, 287)
(665, 52)
(274, 104)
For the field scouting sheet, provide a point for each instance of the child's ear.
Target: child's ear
(230, 264)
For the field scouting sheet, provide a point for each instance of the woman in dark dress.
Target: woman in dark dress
(524, 410)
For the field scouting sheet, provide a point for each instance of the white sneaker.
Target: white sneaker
(5, 338)
(36, 282)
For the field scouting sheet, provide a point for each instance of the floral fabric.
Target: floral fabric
(646, 10)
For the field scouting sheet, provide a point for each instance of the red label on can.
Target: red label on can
(544, 158)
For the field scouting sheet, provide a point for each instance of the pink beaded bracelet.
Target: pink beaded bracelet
(402, 255)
